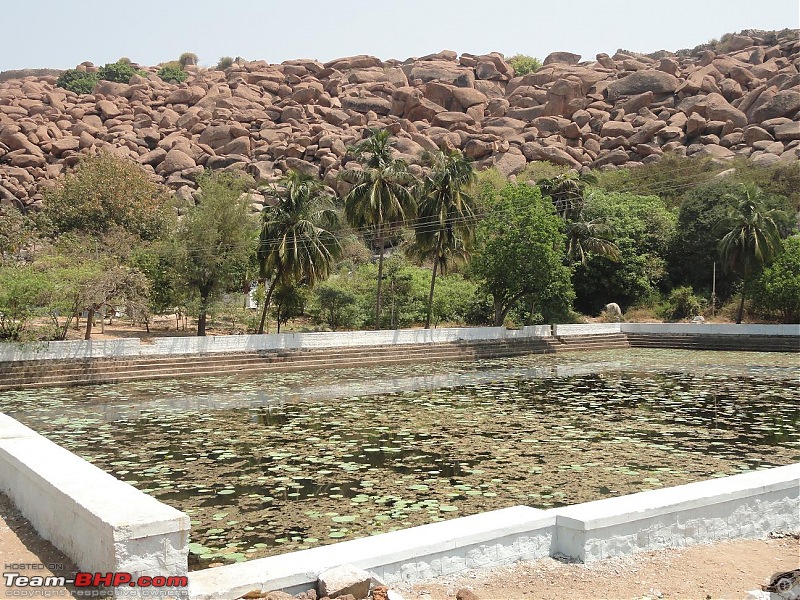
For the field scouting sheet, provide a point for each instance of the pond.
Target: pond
(280, 462)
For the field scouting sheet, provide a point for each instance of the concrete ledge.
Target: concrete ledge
(750, 505)
(100, 522)
(495, 537)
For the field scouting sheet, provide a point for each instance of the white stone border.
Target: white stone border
(750, 505)
(133, 347)
(101, 523)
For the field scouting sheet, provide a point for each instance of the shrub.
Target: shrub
(77, 81)
(117, 72)
(187, 58)
(682, 304)
(125, 60)
(776, 292)
(224, 63)
(524, 64)
(172, 72)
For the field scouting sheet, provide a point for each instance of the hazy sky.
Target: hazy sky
(63, 33)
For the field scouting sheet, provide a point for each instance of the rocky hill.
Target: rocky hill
(624, 109)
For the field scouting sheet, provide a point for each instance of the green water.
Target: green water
(278, 462)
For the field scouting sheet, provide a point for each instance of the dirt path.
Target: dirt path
(23, 551)
(723, 570)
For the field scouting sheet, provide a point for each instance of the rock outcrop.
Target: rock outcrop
(624, 109)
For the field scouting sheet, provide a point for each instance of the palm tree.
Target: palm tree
(567, 191)
(752, 239)
(584, 237)
(445, 227)
(382, 196)
(298, 240)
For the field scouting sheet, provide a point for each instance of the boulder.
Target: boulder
(176, 160)
(567, 58)
(443, 72)
(379, 106)
(509, 163)
(788, 131)
(649, 80)
(615, 128)
(343, 580)
(783, 104)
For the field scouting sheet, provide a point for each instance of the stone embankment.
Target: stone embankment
(87, 371)
(625, 109)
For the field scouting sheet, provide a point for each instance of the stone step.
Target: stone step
(91, 371)
(287, 366)
(236, 362)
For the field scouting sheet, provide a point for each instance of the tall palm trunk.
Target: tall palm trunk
(740, 313)
(430, 293)
(266, 304)
(380, 281)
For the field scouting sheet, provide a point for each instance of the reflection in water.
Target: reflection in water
(270, 463)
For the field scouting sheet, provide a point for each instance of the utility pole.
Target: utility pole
(714, 291)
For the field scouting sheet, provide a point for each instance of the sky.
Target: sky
(60, 34)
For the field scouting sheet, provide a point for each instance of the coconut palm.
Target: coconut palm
(752, 239)
(382, 197)
(445, 226)
(298, 240)
(567, 191)
(584, 237)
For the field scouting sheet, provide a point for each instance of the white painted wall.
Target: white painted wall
(750, 505)
(100, 522)
(586, 329)
(249, 343)
(711, 329)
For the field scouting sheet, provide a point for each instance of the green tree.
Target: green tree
(751, 241)
(105, 192)
(160, 261)
(217, 238)
(776, 290)
(567, 191)
(118, 72)
(445, 225)
(290, 303)
(382, 196)
(298, 242)
(335, 304)
(521, 253)
(77, 81)
(524, 64)
(17, 232)
(641, 228)
(172, 72)
(23, 295)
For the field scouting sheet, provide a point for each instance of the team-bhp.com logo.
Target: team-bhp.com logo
(17, 584)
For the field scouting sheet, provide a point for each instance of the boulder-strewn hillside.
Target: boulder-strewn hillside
(301, 114)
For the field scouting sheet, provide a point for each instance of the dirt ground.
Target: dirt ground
(723, 570)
